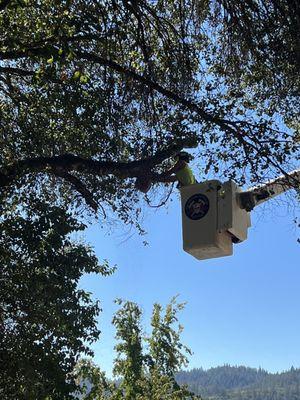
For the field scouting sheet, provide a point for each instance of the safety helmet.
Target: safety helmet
(183, 155)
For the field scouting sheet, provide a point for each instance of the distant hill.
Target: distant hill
(242, 383)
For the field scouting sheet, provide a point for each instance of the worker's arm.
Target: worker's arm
(169, 175)
(172, 171)
(167, 178)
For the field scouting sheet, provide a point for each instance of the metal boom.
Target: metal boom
(256, 195)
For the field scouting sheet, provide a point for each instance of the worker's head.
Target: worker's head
(184, 156)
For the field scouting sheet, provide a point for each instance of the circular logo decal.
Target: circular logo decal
(197, 206)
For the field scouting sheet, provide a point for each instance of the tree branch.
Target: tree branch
(224, 124)
(70, 162)
(155, 86)
(79, 186)
(231, 127)
(16, 71)
(4, 4)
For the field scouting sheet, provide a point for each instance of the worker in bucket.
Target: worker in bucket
(180, 172)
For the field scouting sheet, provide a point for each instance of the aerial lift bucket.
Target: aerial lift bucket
(212, 219)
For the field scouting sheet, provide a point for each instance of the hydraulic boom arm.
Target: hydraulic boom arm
(261, 193)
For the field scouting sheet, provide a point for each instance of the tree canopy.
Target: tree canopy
(46, 321)
(95, 94)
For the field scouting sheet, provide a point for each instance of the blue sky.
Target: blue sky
(242, 309)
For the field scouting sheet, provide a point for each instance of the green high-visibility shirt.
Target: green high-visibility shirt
(185, 176)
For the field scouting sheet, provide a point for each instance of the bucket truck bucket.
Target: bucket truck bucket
(212, 219)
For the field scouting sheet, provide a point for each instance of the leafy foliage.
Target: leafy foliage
(96, 94)
(129, 363)
(263, 40)
(146, 373)
(46, 321)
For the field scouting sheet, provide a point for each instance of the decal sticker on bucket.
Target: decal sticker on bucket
(197, 206)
